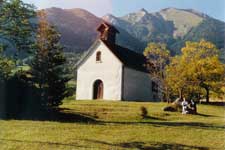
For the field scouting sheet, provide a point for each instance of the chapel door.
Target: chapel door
(98, 90)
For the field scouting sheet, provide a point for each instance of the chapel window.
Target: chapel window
(98, 56)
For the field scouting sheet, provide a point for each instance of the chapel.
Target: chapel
(111, 72)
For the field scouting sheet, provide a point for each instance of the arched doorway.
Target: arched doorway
(98, 89)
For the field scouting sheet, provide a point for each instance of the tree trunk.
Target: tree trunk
(167, 95)
(181, 94)
(207, 95)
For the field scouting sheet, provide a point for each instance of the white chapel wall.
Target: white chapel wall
(109, 71)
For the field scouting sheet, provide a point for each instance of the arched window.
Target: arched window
(98, 56)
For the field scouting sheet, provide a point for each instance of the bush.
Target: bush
(17, 98)
(144, 112)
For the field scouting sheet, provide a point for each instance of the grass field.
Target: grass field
(117, 125)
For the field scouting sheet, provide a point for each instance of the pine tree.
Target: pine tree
(6, 65)
(49, 69)
(17, 24)
(17, 30)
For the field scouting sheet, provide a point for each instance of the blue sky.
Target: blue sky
(214, 8)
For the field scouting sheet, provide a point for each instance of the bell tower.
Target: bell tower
(107, 33)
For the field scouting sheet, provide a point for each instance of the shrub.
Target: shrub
(144, 112)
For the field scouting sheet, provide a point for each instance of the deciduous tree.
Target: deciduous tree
(158, 57)
(198, 66)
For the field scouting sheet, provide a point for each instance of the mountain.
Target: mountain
(171, 26)
(77, 27)
(183, 20)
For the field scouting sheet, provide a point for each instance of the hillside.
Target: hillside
(76, 27)
(183, 20)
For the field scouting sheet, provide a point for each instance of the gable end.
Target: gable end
(88, 53)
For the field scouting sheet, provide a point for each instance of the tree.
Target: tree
(49, 69)
(176, 76)
(17, 29)
(17, 24)
(205, 68)
(158, 57)
(198, 66)
(16, 37)
(6, 65)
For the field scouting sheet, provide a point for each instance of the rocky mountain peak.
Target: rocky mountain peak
(136, 16)
(143, 11)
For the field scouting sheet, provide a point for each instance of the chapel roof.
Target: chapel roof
(128, 57)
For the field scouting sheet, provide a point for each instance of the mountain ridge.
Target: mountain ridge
(170, 25)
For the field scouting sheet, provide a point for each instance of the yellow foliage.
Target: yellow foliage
(198, 65)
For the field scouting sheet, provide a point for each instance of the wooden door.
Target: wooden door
(98, 90)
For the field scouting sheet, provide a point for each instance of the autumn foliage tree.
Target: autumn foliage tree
(158, 58)
(176, 76)
(198, 67)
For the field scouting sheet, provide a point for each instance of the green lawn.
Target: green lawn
(117, 125)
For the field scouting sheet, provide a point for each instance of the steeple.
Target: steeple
(107, 32)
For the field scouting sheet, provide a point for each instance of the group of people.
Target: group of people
(188, 107)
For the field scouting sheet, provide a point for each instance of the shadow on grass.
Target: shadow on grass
(65, 115)
(42, 143)
(126, 145)
(151, 145)
(57, 115)
(204, 115)
(154, 118)
(198, 125)
(214, 103)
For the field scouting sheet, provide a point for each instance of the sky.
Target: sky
(214, 8)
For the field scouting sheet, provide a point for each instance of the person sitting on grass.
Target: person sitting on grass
(184, 107)
(192, 107)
